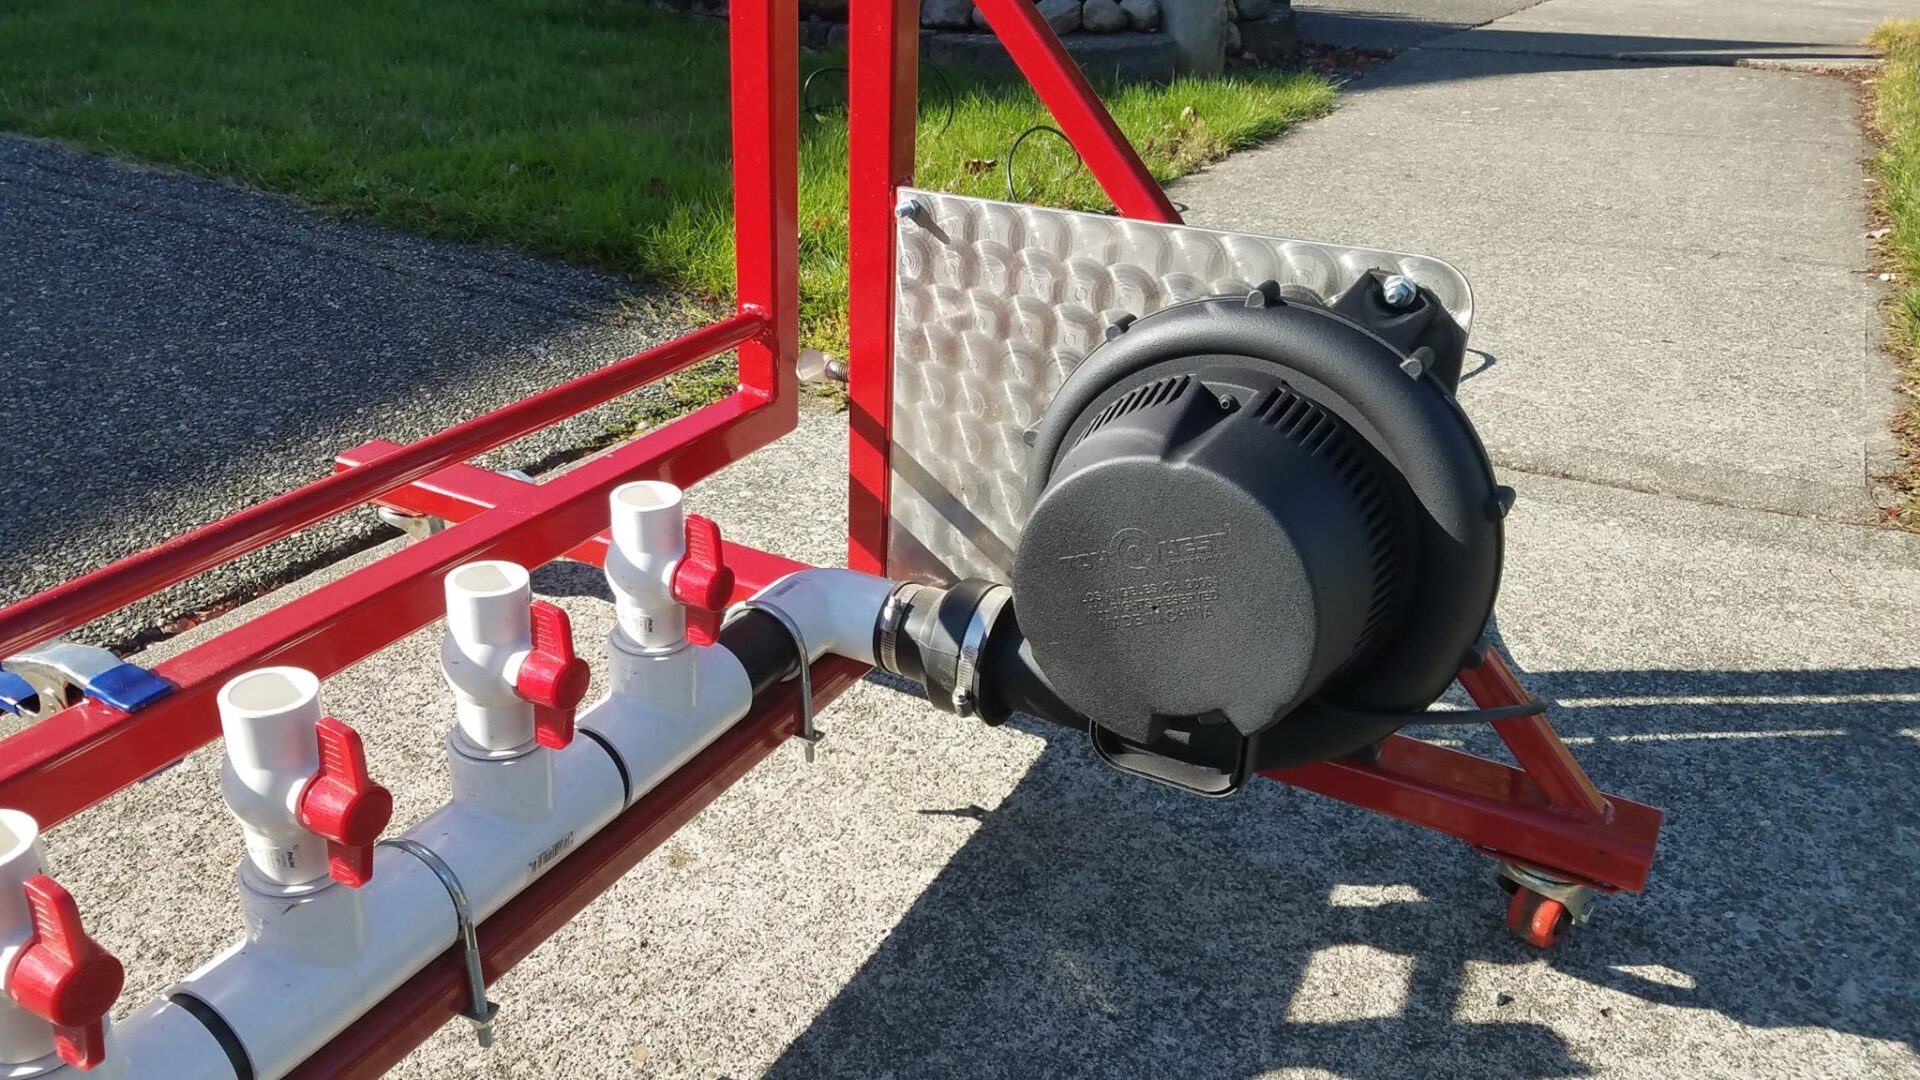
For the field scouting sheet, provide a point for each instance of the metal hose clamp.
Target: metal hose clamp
(966, 672)
(893, 615)
(809, 734)
(479, 1010)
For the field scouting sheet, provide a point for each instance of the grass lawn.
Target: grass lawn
(590, 130)
(1896, 121)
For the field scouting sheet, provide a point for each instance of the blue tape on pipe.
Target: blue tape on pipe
(128, 687)
(17, 695)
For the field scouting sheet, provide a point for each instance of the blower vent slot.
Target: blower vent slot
(1322, 434)
(1140, 397)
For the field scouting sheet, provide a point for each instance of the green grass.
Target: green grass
(1895, 119)
(590, 130)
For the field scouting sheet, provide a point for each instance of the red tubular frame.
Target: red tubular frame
(1545, 814)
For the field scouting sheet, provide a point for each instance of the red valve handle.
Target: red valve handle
(65, 977)
(703, 581)
(552, 677)
(343, 805)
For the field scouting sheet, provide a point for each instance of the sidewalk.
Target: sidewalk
(1670, 260)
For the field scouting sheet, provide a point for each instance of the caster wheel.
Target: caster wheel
(1537, 920)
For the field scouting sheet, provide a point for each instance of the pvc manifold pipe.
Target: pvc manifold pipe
(314, 957)
(318, 954)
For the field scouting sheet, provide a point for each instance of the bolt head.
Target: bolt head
(909, 210)
(1399, 291)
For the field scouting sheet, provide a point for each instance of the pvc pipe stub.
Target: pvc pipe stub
(648, 516)
(20, 859)
(267, 717)
(487, 602)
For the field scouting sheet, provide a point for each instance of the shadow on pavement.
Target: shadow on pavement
(181, 349)
(1097, 925)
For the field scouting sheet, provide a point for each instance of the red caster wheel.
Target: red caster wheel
(1537, 920)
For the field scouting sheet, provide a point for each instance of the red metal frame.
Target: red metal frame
(1545, 814)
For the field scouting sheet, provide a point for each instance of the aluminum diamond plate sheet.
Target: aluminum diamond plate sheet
(996, 303)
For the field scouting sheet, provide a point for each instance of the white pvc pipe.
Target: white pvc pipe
(24, 1037)
(649, 540)
(837, 610)
(510, 821)
(489, 635)
(318, 956)
(309, 964)
(268, 718)
(336, 951)
(162, 1031)
(663, 708)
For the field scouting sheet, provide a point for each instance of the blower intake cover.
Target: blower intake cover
(1251, 510)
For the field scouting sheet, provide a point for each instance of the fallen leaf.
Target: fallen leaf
(976, 166)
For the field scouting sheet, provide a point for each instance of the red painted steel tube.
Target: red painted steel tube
(1532, 740)
(118, 584)
(75, 758)
(386, 1033)
(1064, 90)
(463, 492)
(882, 110)
(764, 38)
(1495, 807)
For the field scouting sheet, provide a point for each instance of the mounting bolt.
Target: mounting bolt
(1399, 291)
(910, 210)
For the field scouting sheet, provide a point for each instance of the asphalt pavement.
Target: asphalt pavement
(177, 349)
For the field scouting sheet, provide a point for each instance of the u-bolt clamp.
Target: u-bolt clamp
(479, 1011)
(34, 683)
(809, 734)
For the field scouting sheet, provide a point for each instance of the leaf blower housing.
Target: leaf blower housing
(1262, 534)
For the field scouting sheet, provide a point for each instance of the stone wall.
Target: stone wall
(1129, 39)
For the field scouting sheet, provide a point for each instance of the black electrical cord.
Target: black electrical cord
(947, 96)
(1013, 192)
(806, 86)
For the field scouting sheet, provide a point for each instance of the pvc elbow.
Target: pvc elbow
(649, 540)
(837, 610)
(268, 719)
(489, 636)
